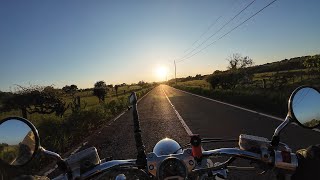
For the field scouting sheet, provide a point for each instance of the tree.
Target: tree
(100, 90)
(141, 83)
(225, 79)
(312, 63)
(116, 87)
(73, 88)
(70, 89)
(236, 61)
(36, 99)
(110, 86)
(198, 77)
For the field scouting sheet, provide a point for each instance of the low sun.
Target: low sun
(161, 72)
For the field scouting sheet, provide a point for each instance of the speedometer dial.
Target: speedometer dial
(172, 169)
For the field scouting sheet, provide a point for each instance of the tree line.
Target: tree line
(241, 70)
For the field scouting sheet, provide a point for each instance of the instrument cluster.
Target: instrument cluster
(173, 166)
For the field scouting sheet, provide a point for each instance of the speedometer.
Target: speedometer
(171, 169)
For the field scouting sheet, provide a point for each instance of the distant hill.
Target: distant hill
(283, 65)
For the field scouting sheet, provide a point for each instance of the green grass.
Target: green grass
(271, 99)
(59, 134)
(111, 92)
(87, 98)
(9, 153)
(195, 83)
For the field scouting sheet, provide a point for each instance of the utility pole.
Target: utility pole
(175, 71)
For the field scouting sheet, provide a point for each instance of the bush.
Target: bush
(53, 134)
(229, 79)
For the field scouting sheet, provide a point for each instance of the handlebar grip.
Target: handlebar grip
(308, 163)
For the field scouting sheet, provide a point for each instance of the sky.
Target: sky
(80, 42)
(13, 132)
(306, 105)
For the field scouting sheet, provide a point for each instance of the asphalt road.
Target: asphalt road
(208, 118)
(214, 119)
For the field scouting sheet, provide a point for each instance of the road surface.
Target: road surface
(168, 112)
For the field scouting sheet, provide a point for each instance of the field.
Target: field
(266, 92)
(195, 84)
(88, 100)
(61, 133)
(9, 153)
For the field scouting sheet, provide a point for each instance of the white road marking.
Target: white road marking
(113, 120)
(245, 109)
(185, 126)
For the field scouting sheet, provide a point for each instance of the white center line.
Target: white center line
(178, 115)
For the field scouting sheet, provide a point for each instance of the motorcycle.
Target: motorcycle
(20, 143)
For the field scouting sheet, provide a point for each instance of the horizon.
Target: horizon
(76, 42)
(135, 83)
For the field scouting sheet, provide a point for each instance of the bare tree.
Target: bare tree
(236, 61)
(36, 99)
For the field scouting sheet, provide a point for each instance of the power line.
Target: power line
(208, 29)
(228, 31)
(218, 30)
(204, 33)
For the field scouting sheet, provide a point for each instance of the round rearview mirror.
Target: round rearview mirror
(19, 141)
(305, 106)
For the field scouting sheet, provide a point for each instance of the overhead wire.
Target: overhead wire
(208, 29)
(242, 10)
(205, 32)
(183, 59)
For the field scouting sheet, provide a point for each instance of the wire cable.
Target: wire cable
(203, 33)
(208, 29)
(183, 59)
(218, 30)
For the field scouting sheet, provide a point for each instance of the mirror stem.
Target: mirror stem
(54, 155)
(141, 156)
(276, 136)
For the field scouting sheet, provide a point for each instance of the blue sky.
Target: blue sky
(306, 105)
(13, 132)
(80, 42)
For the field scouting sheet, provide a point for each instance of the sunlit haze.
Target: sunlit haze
(80, 42)
(162, 73)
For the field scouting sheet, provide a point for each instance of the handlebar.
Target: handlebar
(232, 152)
(279, 159)
(108, 165)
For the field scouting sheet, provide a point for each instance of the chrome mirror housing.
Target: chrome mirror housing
(303, 109)
(19, 141)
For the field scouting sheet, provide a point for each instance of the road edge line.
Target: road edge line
(184, 125)
(242, 108)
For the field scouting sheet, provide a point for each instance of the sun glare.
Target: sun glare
(161, 72)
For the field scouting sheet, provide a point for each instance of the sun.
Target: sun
(161, 72)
